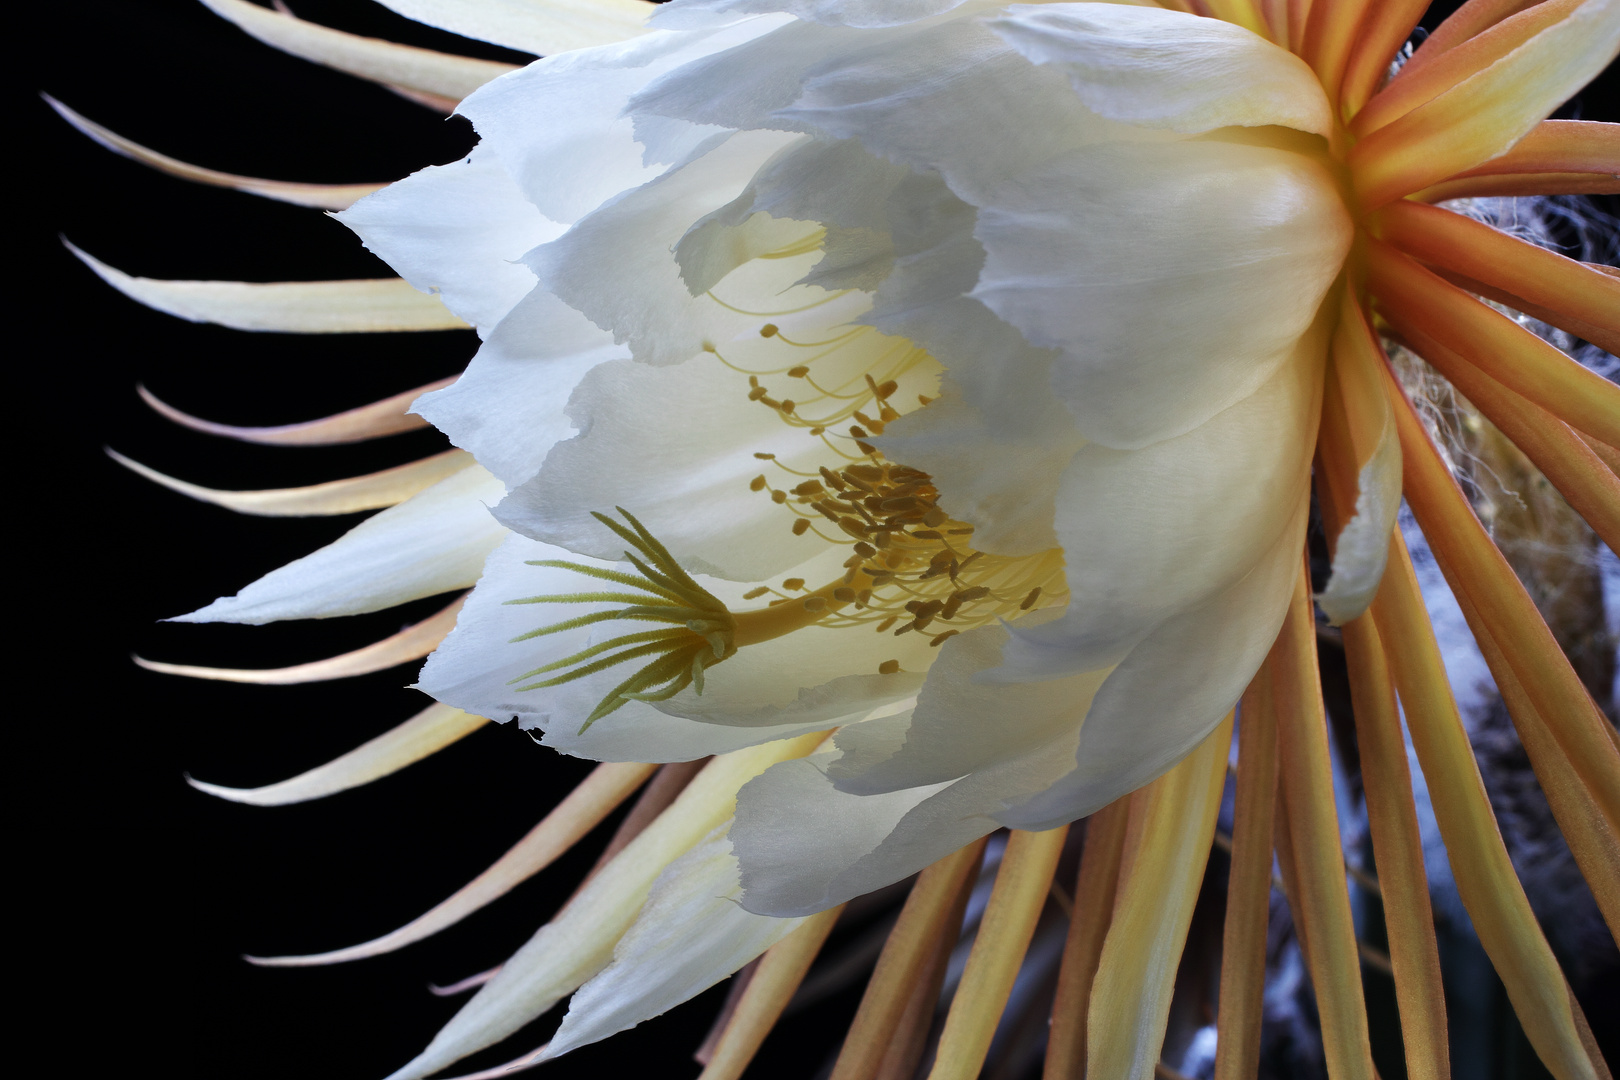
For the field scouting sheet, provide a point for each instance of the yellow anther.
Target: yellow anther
(809, 487)
(801, 526)
(889, 667)
(756, 393)
(935, 517)
(886, 389)
(975, 593)
(798, 372)
(817, 430)
(939, 639)
(778, 497)
(1029, 601)
(765, 457)
(924, 400)
(757, 483)
(793, 584)
(708, 346)
(768, 330)
(886, 623)
(815, 603)
(865, 551)
(857, 432)
(787, 407)
(755, 594)
(845, 593)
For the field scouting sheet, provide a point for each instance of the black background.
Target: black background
(140, 893)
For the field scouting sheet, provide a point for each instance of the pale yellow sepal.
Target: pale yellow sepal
(386, 417)
(1130, 998)
(542, 27)
(320, 196)
(581, 811)
(294, 307)
(424, 734)
(411, 643)
(579, 942)
(404, 66)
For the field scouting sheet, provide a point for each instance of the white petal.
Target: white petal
(1173, 688)
(1363, 544)
(690, 934)
(1171, 69)
(1002, 482)
(1173, 280)
(559, 126)
(433, 542)
(674, 446)
(541, 27)
(858, 843)
(616, 264)
(1150, 533)
(457, 231)
(507, 409)
(691, 14)
(943, 743)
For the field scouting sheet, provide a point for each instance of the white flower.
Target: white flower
(914, 405)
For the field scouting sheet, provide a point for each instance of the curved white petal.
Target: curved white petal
(457, 231)
(616, 265)
(1172, 279)
(559, 124)
(692, 14)
(1172, 69)
(690, 934)
(433, 542)
(859, 843)
(507, 409)
(541, 27)
(1148, 533)
(674, 446)
(1172, 689)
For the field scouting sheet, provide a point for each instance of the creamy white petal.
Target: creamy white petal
(1002, 482)
(1173, 280)
(559, 126)
(674, 446)
(1149, 533)
(616, 265)
(692, 14)
(1172, 69)
(1172, 690)
(507, 409)
(457, 231)
(1363, 544)
(433, 542)
(690, 934)
(541, 27)
(863, 842)
(943, 742)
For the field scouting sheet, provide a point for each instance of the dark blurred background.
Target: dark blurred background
(141, 894)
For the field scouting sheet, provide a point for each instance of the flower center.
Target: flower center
(911, 567)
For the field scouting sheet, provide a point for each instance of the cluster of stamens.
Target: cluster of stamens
(917, 565)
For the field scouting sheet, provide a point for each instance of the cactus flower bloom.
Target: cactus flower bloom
(914, 408)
